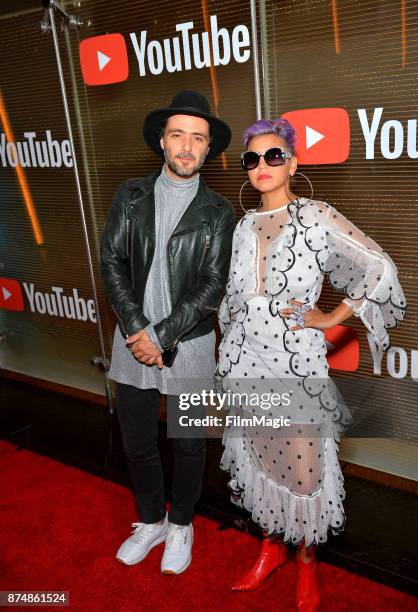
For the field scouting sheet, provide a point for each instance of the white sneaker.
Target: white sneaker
(178, 549)
(144, 537)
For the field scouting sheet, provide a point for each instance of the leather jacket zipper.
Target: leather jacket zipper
(207, 242)
(188, 231)
(132, 250)
(184, 333)
(120, 321)
(177, 340)
(216, 308)
(128, 221)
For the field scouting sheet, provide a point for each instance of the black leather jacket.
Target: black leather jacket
(199, 252)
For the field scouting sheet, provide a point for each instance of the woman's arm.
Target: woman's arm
(357, 265)
(318, 319)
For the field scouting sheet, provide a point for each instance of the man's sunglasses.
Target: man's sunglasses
(273, 157)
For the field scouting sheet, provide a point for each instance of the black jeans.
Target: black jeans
(138, 416)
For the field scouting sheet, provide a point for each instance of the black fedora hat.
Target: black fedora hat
(186, 103)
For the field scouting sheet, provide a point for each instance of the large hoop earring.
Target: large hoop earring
(310, 184)
(239, 197)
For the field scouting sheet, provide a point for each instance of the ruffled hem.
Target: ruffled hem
(278, 510)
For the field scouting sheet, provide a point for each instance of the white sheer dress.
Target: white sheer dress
(289, 478)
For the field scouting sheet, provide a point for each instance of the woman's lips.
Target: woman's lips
(263, 177)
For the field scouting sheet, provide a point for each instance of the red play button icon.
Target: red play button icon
(322, 135)
(11, 297)
(104, 59)
(343, 348)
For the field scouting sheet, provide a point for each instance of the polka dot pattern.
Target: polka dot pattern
(291, 481)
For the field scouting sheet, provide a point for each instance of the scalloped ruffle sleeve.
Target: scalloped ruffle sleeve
(357, 265)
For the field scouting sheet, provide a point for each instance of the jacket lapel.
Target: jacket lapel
(144, 205)
(192, 216)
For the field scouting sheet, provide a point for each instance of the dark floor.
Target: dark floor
(381, 536)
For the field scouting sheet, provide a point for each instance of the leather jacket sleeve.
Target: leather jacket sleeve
(114, 268)
(209, 288)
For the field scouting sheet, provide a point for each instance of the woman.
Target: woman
(290, 479)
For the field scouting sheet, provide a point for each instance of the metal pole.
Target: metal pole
(82, 141)
(80, 199)
(255, 58)
(265, 60)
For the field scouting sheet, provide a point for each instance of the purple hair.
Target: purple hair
(280, 127)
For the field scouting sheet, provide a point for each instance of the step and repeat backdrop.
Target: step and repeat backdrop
(344, 73)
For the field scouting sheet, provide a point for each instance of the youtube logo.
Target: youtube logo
(343, 348)
(11, 297)
(322, 135)
(104, 59)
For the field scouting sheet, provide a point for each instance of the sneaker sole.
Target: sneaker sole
(183, 569)
(156, 543)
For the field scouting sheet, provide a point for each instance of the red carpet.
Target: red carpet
(60, 529)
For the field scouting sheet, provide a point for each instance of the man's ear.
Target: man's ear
(162, 143)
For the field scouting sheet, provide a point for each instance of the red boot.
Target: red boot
(272, 556)
(307, 593)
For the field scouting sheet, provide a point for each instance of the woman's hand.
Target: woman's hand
(318, 319)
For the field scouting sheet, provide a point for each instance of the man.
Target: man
(165, 255)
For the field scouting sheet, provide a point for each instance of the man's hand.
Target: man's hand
(144, 350)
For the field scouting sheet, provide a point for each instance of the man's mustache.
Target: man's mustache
(185, 156)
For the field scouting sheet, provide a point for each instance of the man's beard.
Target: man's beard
(178, 168)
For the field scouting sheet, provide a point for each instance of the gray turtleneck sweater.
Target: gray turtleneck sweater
(195, 358)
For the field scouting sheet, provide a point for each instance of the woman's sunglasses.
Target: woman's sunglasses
(273, 157)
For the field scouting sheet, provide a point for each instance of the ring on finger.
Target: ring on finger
(299, 314)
